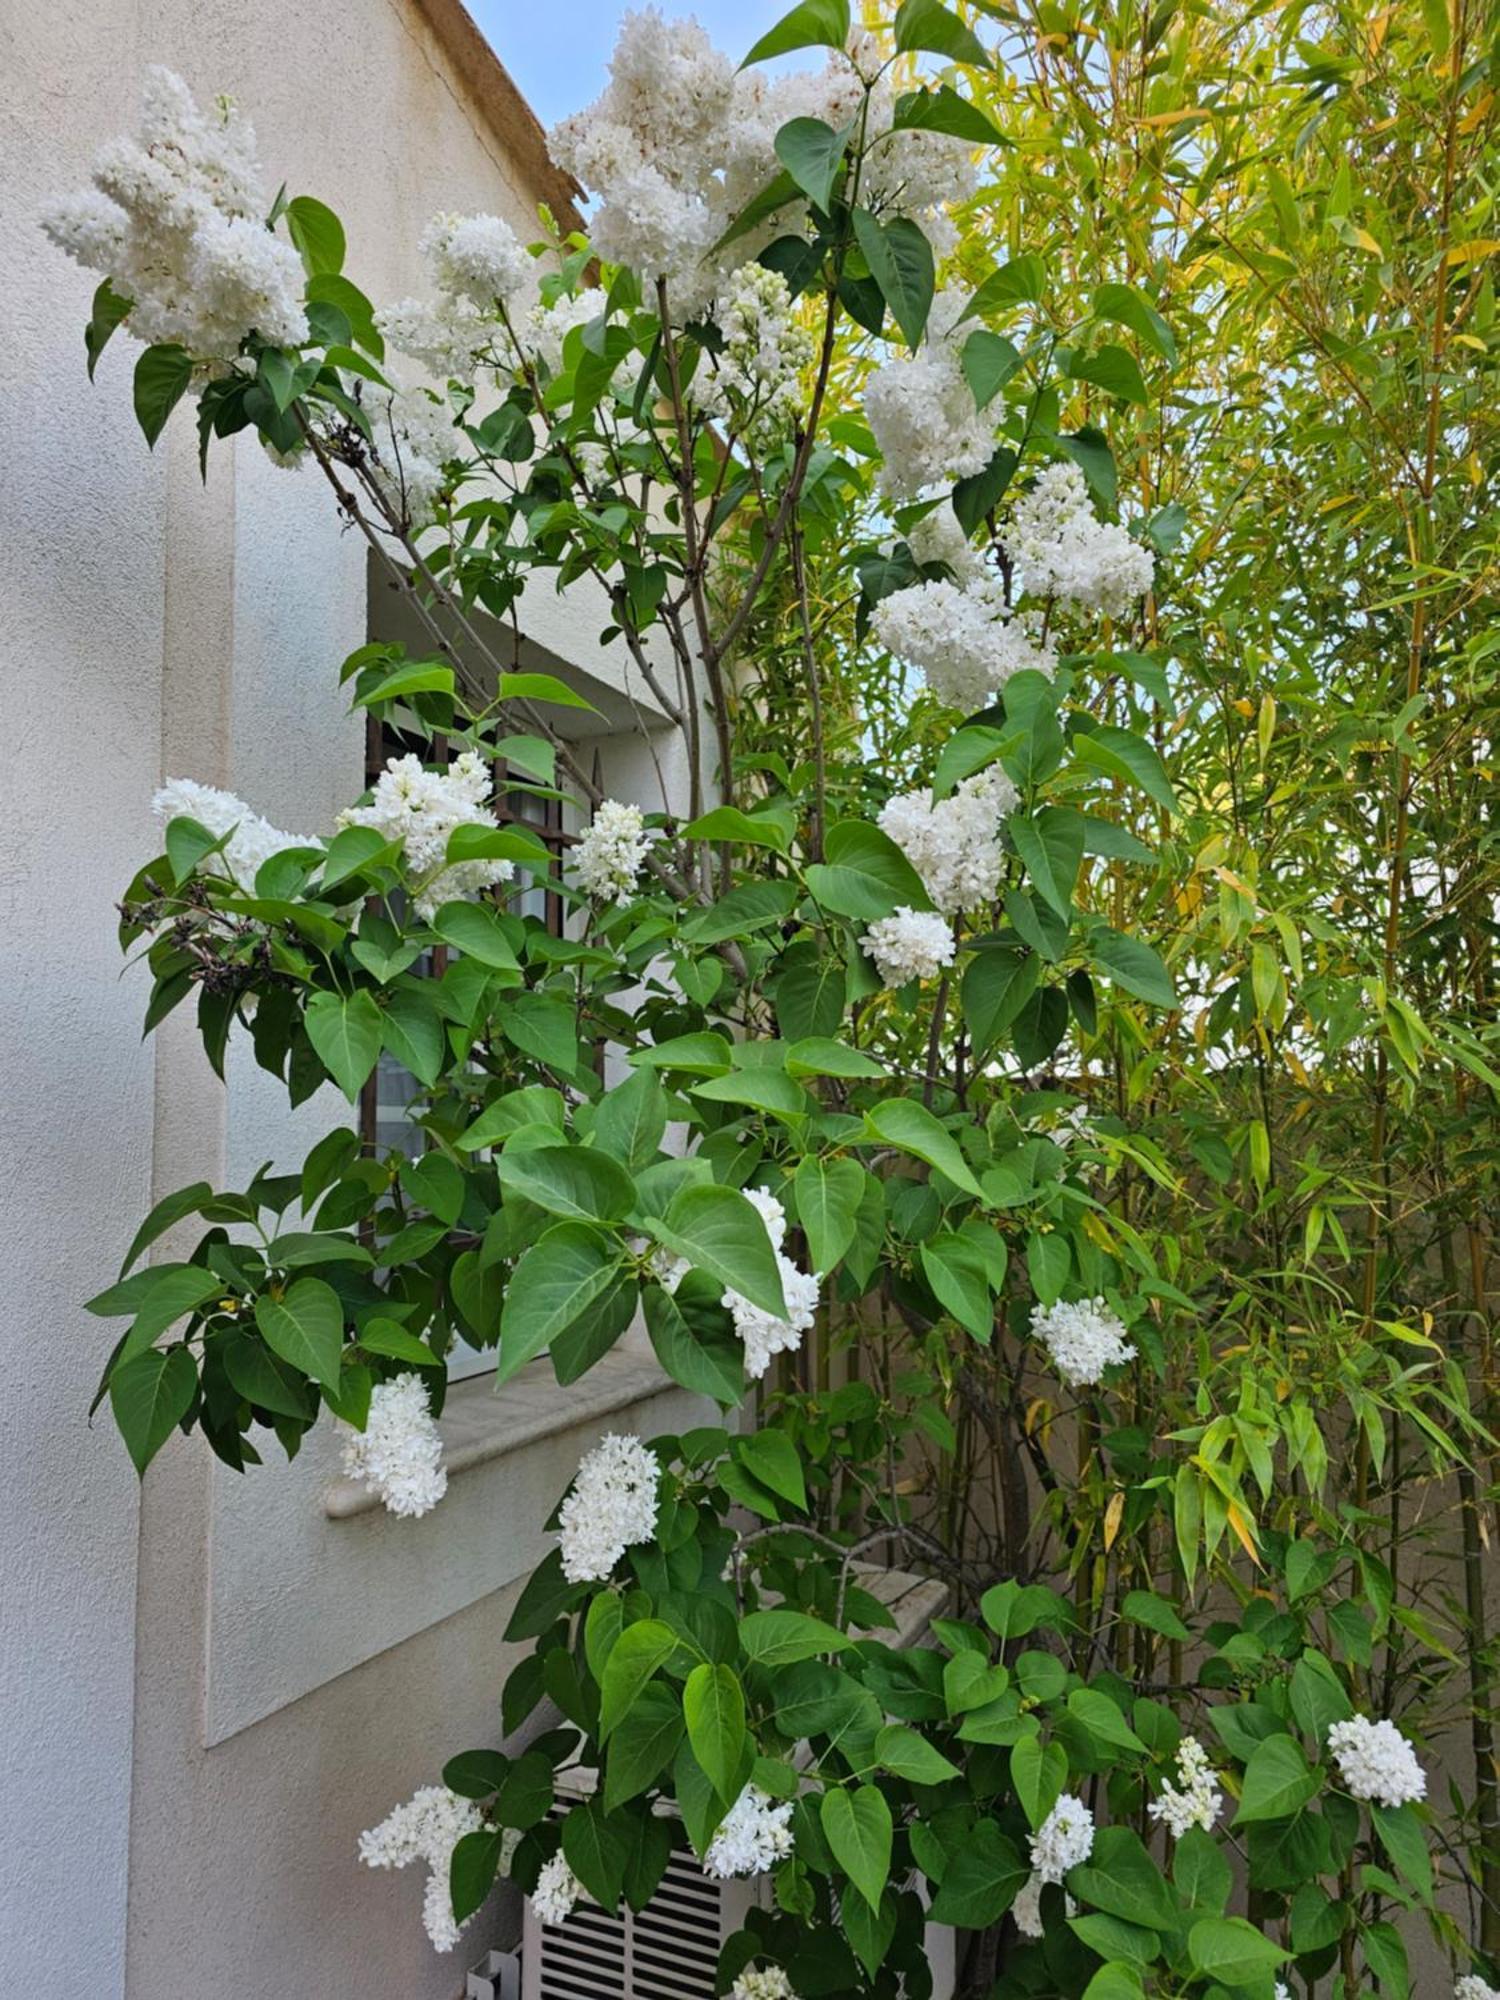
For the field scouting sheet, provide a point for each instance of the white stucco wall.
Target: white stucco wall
(186, 1775)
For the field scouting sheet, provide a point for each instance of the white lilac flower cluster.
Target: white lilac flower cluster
(476, 264)
(757, 379)
(557, 1893)
(1376, 1762)
(1082, 1338)
(1195, 1799)
(911, 944)
(768, 1984)
(547, 327)
(399, 1454)
(414, 441)
(1064, 551)
(763, 1334)
(938, 538)
(1471, 1987)
(426, 1828)
(609, 853)
(954, 843)
(251, 841)
(963, 636)
(175, 221)
(679, 142)
(753, 1836)
(420, 808)
(1064, 1840)
(611, 1507)
(922, 411)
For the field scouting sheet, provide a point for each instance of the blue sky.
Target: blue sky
(558, 50)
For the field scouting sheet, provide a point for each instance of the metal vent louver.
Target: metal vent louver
(668, 1951)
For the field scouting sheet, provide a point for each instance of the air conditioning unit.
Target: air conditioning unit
(670, 1949)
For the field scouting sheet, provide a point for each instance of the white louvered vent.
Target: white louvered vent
(668, 1951)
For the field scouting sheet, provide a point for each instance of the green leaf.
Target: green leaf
(162, 375)
(751, 907)
(263, 1379)
(774, 1639)
(1126, 307)
(772, 1458)
(997, 983)
(633, 1659)
(1277, 1783)
(900, 261)
(107, 312)
(476, 930)
(1117, 1980)
(643, 1745)
(828, 1194)
(1159, 1614)
(912, 1757)
(1022, 281)
(1050, 843)
(347, 1031)
(989, 361)
(1385, 1954)
(1101, 1720)
(572, 1181)
(1201, 1872)
(414, 1034)
(597, 1852)
(1114, 370)
(943, 110)
(1404, 1841)
(1133, 965)
(926, 24)
(1089, 450)
(396, 1342)
(959, 1278)
(305, 1327)
(544, 1028)
(857, 1827)
(542, 687)
(631, 1119)
(472, 1869)
(904, 1123)
(706, 1366)
(865, 874)
(813, 154)
(981, 1880)
(720, 1232)
(820, 1055)
(568, 1269)
(759, 1086)
(1233, 1952)
(1038, 1772)
(729, 823)
(317, 233)
(813, 24)
(1127, 756)
(150, 1395)
(474, 1774)
(1120, 1878)
(714, 1707)
(1318, 1696)
(705, 1054)
(170, 1210)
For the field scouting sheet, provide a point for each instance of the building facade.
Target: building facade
(211, 1685)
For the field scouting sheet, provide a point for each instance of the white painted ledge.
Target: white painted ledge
(479, 1425)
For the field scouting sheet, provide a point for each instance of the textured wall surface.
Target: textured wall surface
(170, 1833)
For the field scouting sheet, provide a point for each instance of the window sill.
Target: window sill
(479, 1425)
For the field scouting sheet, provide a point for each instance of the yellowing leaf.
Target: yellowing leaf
(1114, 1513)
(1470, 253)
